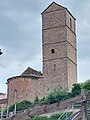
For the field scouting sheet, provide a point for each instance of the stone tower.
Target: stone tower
(59, 58)
(59, 47)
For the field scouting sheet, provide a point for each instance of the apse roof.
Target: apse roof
(30, 71)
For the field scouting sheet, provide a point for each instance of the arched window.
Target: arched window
(52, 51)
(15, 90)
(70, 23)
(15, 95)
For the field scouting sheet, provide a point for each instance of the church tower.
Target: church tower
(59, 47)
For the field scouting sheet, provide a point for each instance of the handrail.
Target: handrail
(10, 114)
(76, 115)
(65, 112)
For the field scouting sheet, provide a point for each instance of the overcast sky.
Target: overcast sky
(20, 36)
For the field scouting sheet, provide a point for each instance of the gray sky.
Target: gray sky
(20, 36)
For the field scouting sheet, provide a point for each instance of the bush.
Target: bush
(42, 100)
(11, 108)
(19, 106)
(58, 94)
(86, 86)
(76, 90)
(23, 105)
(61, 94)
(36, 100)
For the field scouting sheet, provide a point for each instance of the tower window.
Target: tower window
(15, 90)
(52, 51)
(54, 67)
(70, 23)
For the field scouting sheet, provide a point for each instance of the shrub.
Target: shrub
(43, 99)
(58, 94)
(61, 94)
(19, 106)
(86, 86)
(22, 105)
(11, 108)
(76, 90)
(36, 99)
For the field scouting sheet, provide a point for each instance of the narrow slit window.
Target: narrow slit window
(70, 23)
(54, 67)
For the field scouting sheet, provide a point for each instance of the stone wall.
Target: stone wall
(59, 58)
(58, 33)
(53, 19)
(21, 88)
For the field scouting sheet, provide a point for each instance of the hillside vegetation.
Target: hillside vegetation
(56, 95)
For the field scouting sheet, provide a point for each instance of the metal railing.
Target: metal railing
(7, 114)
(76, 115)
(66, 114)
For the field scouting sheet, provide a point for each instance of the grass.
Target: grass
(53, 117)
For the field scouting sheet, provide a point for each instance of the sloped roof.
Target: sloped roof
(29, 71)
(52, 7)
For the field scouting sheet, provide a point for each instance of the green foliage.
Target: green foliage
(58, 94)
(76, 90)
(36, 100)
(43, 99)
(53, 117)
(23, 105)
(61, 94)
(39, 118)
(20, 106)
(11, 108)
(86, 85)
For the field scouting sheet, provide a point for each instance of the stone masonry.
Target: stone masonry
(59, 58)
(59, 46)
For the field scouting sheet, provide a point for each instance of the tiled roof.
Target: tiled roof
(29, 71)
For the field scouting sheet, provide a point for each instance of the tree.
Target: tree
(76, 89)
(86, 85)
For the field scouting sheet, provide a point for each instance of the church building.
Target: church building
(59, 54)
